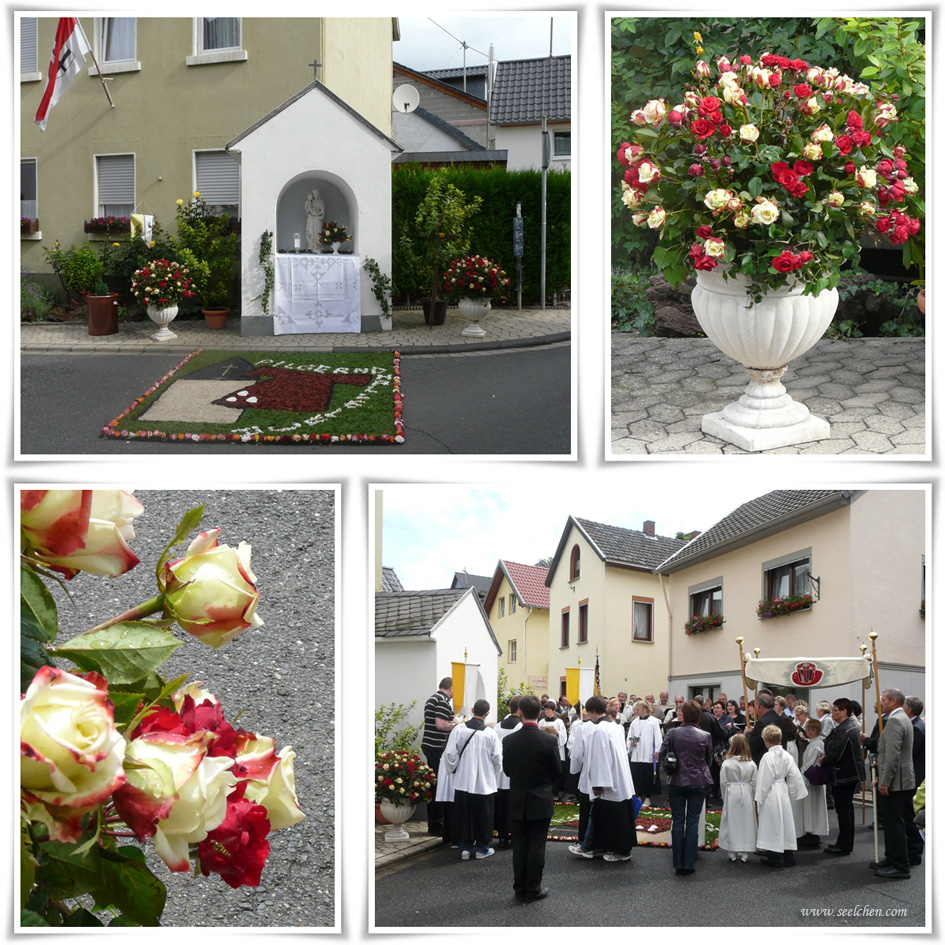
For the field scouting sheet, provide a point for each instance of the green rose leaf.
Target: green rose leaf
(29, 919)
(37, 607)
(131, 886)
(123, 653)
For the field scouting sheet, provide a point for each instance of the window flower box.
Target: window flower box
(108, 226)
(699, 624)
(783, 606)
(28, 226)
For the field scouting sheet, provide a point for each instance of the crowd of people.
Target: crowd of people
(775, 766)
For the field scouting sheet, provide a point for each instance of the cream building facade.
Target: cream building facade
(182, 88)
(859, 555)
(517, 605)
(605, 602)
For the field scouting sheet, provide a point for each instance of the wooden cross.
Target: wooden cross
(315, 65)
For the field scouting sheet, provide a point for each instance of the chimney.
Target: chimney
(649, 528)
(693, 535)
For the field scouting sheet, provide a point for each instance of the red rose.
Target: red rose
(703, 129)
(710, 103)
(803, 168)
(696, 170)
(238, 848)
(778, 168)
(704, 232)
(725, 130)
(803, 90)
(854, 120)
(861, 139)
(844, 144)
(774, 80)
(849, 168)
(788, 179)
(883, 224)
(784, 262)
(622, 153)
(704, 263)
(799, 189)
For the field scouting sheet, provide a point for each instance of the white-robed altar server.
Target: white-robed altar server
(503, 817)
(778, 783)
(473, 757)
(553, 726)
(606, 781)
(738, 830)
(813, 823)
(644, 738)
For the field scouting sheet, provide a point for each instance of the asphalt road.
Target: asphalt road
(277, 680)
(438, 889)
(516, 402)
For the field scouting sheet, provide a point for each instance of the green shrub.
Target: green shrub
(36, 301)
(78, 268)
(491, 229)
(630, 309)
(392, 732)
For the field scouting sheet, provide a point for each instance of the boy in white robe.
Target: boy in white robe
(503, 818)
(606, 781)
(778, 783)
(814, 823)
(553, 726)
(474, 759)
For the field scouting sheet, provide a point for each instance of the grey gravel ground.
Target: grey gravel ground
(292, 534)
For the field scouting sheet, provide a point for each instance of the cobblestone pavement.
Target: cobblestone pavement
(871, 390)
(387, 852)
(504, 328)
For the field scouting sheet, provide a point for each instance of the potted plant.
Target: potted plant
(333, 234)
(160, 285)
(702, 624)
(103, 310)
(381, 287)
(401, 781)
(475, 280)
(108, 226)
(783, 606)
(28, 226)
(78, 268)
(760, 177)
(442, 221)
(214, 247)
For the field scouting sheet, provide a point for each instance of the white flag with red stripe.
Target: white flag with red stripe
(68, 58)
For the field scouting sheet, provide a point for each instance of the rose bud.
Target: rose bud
(726, 161)
(71, 755)
(695, 170)
(675, 118)
(714, 163)
(699, 149)
(72, 530)
(211, 591)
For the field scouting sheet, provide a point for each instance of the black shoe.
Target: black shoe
(915, 862)
(808, 840)
(771, 861)
(878, 864)
(541, 895)
(890, 872)
(836, 851)
(684, 872)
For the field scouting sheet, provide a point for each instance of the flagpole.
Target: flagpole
(95, 61)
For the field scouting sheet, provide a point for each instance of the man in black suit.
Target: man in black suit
(530, 759)
(764, 706)
(914, 708)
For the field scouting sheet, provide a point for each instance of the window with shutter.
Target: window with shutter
(217, 180)
(29, 48)
(117, 38)
(28, 188)
(115, 180)
(219, 32)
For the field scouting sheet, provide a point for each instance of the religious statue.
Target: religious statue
(315, 215)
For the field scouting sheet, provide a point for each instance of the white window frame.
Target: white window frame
(111, 66)
(584, 622)
(29, 47)
(706, 587)
(513, 651)
(502, 606)
(651, 631)
(98, 211)
(207, 57)
(202, 189)
(35, 201)
(554, 144)
(512, 604)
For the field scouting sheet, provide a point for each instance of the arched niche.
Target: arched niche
(340, 205)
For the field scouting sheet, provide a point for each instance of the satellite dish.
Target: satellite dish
(406, 98)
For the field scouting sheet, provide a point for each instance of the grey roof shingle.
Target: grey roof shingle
(456, 73)
(390, 581)
(449, 129)
(626, 546)
(412, 613)
(771, 512)
(528, 89)
(480, 582)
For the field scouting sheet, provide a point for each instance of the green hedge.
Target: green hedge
(492, 226)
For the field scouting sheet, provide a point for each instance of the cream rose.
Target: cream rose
(718, 199)
(741, 220)
(910, 186)
(866, 178)
(656, 218)
(70, 752)
(867, 209)
(813, 152)
(765, 212)
(714, 247)
(655, 111)
(649, 172)
(630, 197)
(748, 133)
(822, 135)
(835, 198)
(640, 217)
(276, 791)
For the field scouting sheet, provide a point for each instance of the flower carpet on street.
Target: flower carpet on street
(252, 397)
(653, 825)
(111, 751)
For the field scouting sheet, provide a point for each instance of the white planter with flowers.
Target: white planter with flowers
(763, 335)
(162, 316)
(475, 280)
(398, 815)
(474, 310)
(160, 285)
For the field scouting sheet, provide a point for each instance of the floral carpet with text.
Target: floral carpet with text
(254, 397)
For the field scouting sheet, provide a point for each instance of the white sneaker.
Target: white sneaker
(482, 856)
(743, 857)
(465, 854)
(646, 802)
(578, 850)
(616, 858)
(733, 857)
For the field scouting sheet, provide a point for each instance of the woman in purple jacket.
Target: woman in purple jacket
(687, 785)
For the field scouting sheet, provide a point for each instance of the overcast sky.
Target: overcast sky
(432, 531)
(437, 42)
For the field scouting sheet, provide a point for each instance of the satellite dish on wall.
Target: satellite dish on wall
(406, 98)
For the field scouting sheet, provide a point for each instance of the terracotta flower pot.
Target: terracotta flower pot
(103, 314)
(216, 317)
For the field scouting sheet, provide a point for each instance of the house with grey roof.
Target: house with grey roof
(801, 575)
(481, 582)
(527, 91)
(517, 605)
(420, 636)
(390, 581)
(606, 603)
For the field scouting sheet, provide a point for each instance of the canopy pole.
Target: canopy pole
(741, 666)
(872, 636)
(863, 747)
(757, 652)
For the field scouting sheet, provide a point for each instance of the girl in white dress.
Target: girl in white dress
(814, 823)
(737, 831)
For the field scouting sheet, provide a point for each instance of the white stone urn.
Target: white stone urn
(474, 310)
(398, 815)
(335, 247)
(763, 337)
(162, 317)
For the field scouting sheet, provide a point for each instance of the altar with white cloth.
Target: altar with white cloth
(317, 293)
